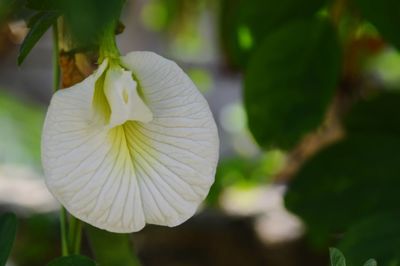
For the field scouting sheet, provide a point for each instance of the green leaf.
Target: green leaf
(347, 186)
(345, 183)
(371, 262)
(244, 24)
(73, 260)
(110, 248)
(337, 258)
(8, 230)
(86, 20)
(40, 25)
(39, 239)
(34, 19)
(290, 81)
(376, 236)
(385, 16)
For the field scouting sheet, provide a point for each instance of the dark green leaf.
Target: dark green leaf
(86, 20)
(290, 81)
(8, 230)
(34, 19)
(385, 15)
(73, 260)
(111, 249)
(38, 239)
(244, 24)
(347, 182)
(371, 262)
(377, 236)
(337, 258)
(341, 188)
(41, 24)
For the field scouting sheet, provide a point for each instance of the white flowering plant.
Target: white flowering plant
(129, 140)
(132, 143)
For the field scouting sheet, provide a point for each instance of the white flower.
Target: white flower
(130, 145)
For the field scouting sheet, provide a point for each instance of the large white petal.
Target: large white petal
(122, 177)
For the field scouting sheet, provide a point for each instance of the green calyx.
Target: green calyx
(108, 46)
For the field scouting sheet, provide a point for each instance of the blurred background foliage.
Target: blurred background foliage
(24, 123)
(306, 97)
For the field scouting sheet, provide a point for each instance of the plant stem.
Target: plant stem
(75, 234)
(71, 229)
(76, 245)
(108, 46)
(71, 233)
(65, 245)
(56, 59)
(64, 236)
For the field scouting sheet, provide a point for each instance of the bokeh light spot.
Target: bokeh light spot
(201, 78)
(154, 15)
(233, 118)
(245, 38)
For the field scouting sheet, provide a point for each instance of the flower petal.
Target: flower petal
(137, 172)
(123, 98)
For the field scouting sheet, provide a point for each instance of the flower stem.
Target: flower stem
(64, 236)
(75, 234)
(56, 59)
(71, 233)
(108, 44)
(76, 245)
(71, 228)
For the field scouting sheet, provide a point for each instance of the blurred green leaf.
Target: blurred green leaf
(8, 230)
(347, 183)
(377, 236)
(73, 260)
(385, 16)
(290, 81)
(34, 19)
(85, 19)
(35, 241)
(337, 258)
(110, 248)
(39, 25)
(244, 24)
